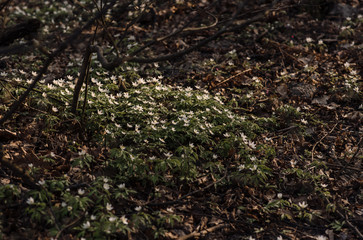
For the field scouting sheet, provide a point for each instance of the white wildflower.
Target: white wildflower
(252, 144)
(253, 168)
(241, 167)
(309, 39)
(30, 201)
(168, 155)
(82, 152)
(109, 207)
(124, 220)
(293, 163)
(226, 135)
(303, 204)
(41, 182)
(86, 225)
(106, 186)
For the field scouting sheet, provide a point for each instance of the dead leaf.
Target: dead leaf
(282, 90)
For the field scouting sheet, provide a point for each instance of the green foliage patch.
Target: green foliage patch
(155, 135)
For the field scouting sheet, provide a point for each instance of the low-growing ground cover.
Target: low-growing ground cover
(258, 135)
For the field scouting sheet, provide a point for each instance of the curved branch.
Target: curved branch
(118, 61)
(192, 29)
(180, 30)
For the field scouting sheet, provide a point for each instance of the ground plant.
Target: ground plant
(181, 120)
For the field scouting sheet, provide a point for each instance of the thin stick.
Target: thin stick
(350, 224)
(321, 139)
(74, 223)
(203, 232)
(230, 78)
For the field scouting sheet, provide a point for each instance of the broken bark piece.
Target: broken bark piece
(303, 90)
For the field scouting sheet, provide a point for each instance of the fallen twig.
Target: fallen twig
(351, 225)
(72, 224)
(321, 139)
(230, 78)
(344, 167)
(203, 232)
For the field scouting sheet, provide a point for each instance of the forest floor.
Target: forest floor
(299, 70)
